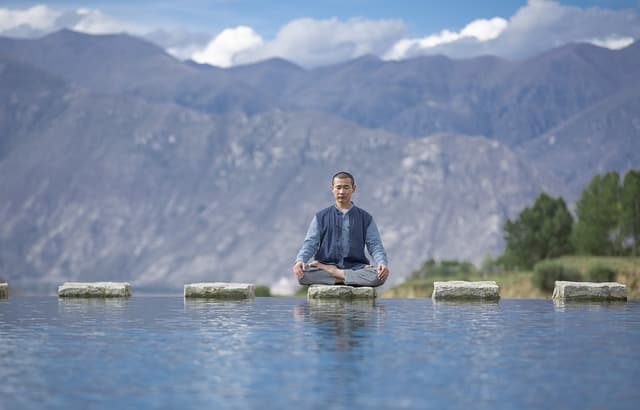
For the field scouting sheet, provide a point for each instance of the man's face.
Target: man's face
(342, 189)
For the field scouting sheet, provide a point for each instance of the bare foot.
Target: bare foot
(330, 269)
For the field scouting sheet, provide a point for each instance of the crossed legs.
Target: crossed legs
(322, 274)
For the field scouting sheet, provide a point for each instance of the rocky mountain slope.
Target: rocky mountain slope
(118, 162)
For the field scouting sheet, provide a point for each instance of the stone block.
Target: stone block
(4, 290)
(463, 290)
(219, 290)
(95, 290)
(340, 292)
(589, 291)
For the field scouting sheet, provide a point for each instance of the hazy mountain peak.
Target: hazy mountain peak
(365, 62)
(274, 65)
(367, 58)
(202, 66)
(632, 48)
(131, 177)
(122, 43)
(274, 62)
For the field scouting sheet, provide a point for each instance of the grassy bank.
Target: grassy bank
(627, 269)
(519, 284)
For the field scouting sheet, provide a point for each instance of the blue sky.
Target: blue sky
(312, 33)
(421, 16)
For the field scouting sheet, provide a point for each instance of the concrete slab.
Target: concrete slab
(340, 292)
(590, 291)
(463, 290)
(219, 290)
(94, 290)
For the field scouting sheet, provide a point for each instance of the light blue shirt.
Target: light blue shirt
(372, 239)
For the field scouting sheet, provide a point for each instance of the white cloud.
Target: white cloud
(484, 30)
(537, 26)
(481, 30)
(613, 42)
(312, 43)
(95, 22)
(179, 42)
(40, 20)
(222, 50)
(37, 17)
(534, 28)
(543, 24)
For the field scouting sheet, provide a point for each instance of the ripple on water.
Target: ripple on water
(167, 352)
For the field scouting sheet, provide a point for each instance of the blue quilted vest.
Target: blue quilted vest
(330, 227)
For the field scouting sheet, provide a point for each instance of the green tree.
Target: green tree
(630, 219)
(597, 229)
(540, 232)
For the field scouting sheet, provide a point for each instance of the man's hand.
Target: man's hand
(383, 272)
(298, 269)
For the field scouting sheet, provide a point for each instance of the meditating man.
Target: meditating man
(337, 237)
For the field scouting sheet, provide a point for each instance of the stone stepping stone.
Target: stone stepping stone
(4, 290)
(94, 290)
(340, 292)
(219, 290)
(590, 291)
(463, 290)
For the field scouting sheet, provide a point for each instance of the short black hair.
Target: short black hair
(344, 175)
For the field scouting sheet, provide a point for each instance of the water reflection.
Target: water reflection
(471, 309)
(216, 319)
(166, 352)
(225, 342)
(483, 303)
(206, 305)
(566, 305)
(346, 324)
(85, 305)
(209, 314)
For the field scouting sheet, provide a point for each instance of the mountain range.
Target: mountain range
(119, 162)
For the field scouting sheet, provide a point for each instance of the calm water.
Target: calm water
(164, 352)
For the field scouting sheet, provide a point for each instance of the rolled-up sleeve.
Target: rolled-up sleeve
(311, 242)
(374, 244)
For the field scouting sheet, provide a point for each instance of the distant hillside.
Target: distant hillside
(509, 101)
(119, 162)
(604, 137)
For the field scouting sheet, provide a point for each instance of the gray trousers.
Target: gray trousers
(361, 277)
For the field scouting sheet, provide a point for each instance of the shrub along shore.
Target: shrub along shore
(535, 283)
(606, 231)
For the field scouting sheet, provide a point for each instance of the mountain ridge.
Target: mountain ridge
(165, 172)
(430, 93)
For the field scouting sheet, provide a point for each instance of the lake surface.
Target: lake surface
(165, 352)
